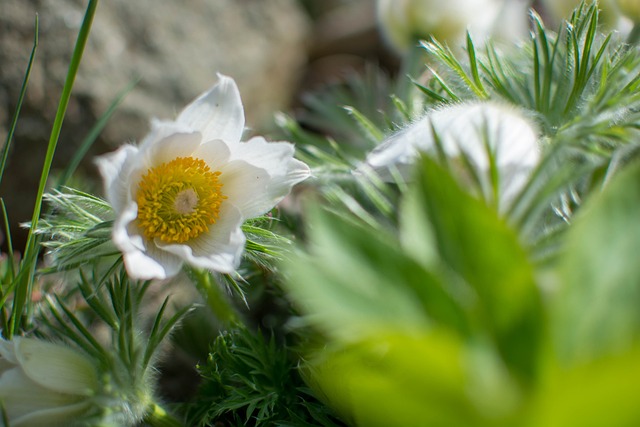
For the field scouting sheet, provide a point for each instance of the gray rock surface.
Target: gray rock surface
(174, 47)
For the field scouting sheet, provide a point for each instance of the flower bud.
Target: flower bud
(46, 384)
(473, 130)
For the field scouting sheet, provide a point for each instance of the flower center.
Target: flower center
(178, 200)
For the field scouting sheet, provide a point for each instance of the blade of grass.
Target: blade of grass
(23, 90)
(7, 231)
(23, 290)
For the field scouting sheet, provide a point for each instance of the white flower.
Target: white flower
(405, 21)
(474, 129)
(609, 14)
(45, 384)
(630, 9)
(182, 195)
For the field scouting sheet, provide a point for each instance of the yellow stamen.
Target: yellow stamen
(178, 200)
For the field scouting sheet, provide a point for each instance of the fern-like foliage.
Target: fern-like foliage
(251, 380)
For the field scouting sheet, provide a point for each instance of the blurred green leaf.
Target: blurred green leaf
(343, 285)
(401, 379)
(603, 392)
(597, 305)
(481, 249)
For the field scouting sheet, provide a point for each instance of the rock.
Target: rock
(174, 48)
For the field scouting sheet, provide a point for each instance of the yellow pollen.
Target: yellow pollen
(178, 200)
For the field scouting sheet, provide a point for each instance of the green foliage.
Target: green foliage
(251, 380)
(606, 232)
(594, 362)
(443, 321)
(420, 303)
(581, 84)
(77, 229)
(21, 281)
(481, 250)
(126, 359)
(420, 326)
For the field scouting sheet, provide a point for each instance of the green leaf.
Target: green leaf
(346, 284)
(597, 305)
(400, 379)
(483, 251)
(24, 287)
(603, 392)
(359, 280)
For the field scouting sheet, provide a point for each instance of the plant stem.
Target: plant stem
(213, 295)
(159, 417)
(25, 284)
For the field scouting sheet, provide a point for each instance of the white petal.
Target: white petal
(56, 367)
(166, 141)
(115, 168)
(260, 174)
(142, 259)
(61, 416)
(124, 238)
(217, 113)
(512, 138)
(7, 351)
(219, 249)
(215, 153)
(20, 395)
(466, 128)
(401, 148)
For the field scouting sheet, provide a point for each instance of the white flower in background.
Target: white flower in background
(609, 14)
(405, 21)
(182, 195)
(44, 384)
(474, 129)
(630, 9)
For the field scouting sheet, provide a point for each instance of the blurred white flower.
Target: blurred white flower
(475, 130)
(609, 14)
(630, 9)
(405, 21)
(45, 384)
(182, 195)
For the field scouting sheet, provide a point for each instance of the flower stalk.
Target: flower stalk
(213, 295)
(159, 417)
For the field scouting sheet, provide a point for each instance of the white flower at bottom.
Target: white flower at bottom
(473, 129)
(45, 384)
(183, 194)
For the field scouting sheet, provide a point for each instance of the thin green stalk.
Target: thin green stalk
(8, 238)
(212, 293)
(159, 417)
(23, 90)
(23, 290)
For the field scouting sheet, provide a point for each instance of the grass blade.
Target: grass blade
(23, 90)
(23, 290)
